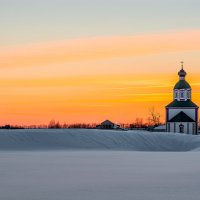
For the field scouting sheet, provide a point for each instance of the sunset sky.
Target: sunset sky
(90, 60)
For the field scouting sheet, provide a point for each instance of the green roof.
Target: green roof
(182, 104)
(181, 117)
(182, 84)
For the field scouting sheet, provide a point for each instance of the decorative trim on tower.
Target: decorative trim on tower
(182, 89)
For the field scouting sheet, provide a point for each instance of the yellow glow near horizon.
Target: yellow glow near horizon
(90, 99)
(89, 80)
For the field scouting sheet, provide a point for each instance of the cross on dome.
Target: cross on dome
(182, 72)
(182, 64)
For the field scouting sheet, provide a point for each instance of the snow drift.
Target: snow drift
(83, 139)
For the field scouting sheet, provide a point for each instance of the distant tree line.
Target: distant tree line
(52, 125)
(139, 123)
(57, 124)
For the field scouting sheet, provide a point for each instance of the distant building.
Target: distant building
(161, 128)
(182, 113)
(107, 124)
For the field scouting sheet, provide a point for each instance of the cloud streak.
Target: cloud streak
(98, 48)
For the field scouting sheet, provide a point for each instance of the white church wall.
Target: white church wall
(189, 112)
(189, 127)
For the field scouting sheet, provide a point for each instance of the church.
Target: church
(182, 113)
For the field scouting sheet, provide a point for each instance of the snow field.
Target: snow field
(83, 139)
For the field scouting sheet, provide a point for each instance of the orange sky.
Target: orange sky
(92, 79)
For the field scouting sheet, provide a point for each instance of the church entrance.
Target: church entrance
(181, 128)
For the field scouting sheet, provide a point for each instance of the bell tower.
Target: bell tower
(182, 90)
(182, 113)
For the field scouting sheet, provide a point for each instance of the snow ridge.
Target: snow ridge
(83, 139)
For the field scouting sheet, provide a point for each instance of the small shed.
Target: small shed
(107, 124)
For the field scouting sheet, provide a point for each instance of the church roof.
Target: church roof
(182, 84)
(182, 104)
(181, 117)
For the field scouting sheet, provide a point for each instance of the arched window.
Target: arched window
(188, 95)
(181, 128)
(176, 94)
(182, 94)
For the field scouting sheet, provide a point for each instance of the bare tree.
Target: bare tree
(54, 124)
(154, 117)
(138, 122)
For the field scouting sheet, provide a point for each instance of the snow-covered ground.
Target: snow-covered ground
(82, 139)
(99, 175)
(76, 165)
